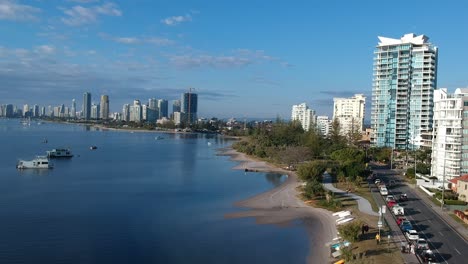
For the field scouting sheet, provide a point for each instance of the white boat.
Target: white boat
(158, 138)
(40, 162)
(59, 153)
(345, 220)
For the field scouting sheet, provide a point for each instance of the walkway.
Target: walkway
(363, 204)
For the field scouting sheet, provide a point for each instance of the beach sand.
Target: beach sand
(282, 205)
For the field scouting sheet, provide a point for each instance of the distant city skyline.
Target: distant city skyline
(276, 56)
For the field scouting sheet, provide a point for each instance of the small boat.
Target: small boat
(59, 153)
(209, 143)
(158, 138)
(40, 162)
(92, 147)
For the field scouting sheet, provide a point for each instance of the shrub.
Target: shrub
(454, 202)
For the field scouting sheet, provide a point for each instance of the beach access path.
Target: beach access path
(363, 205)
(282, 205)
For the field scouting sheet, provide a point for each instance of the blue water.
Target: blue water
(133, 200)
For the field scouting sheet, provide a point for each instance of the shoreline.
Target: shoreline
(281, 206)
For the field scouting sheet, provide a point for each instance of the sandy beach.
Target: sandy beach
(281, 205)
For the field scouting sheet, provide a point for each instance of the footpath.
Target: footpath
(363, 205)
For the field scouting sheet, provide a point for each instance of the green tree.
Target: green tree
(312, 170)
(350, 231)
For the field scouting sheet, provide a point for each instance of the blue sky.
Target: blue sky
(243, 58)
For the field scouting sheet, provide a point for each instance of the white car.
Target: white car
(421, 243)
(412, 235)
(383, 191)
(389, 198)
(377, 181)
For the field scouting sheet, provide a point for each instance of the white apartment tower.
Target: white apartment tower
(405, 76)
(350, 113)
(449, 142)
(323, 125)
(303, 114)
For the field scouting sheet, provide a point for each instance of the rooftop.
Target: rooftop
(407, 38)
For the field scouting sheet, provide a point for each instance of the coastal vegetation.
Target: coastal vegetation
(311, 154)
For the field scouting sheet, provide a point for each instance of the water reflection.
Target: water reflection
(34, 172)
(275, 179)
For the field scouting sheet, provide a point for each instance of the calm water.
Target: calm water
(133, 200)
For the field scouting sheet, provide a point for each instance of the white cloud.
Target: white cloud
(238, 58)
(175, 20)
(12, 10)
(127, 40)
(83, 1)
(79, 15)
(45, 50)
(159, 41)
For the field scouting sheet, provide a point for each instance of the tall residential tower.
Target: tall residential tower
(104, 114)
(303, 114)
(87, 106)
(405, 76)
(350, 113)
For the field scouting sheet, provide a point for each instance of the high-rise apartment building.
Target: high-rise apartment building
(104, 107)
(87, 106)
(189, 107)
(323, 125)
(350, 113)
(303, 114)
(126, 112)
(449, 141)
(73, 109)
(136, 111)
(35, 110)
(95, 111)
(163, 107)
(405, 76)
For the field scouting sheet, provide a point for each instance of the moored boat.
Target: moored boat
(92, 147)
(59, 153)
(40, 162)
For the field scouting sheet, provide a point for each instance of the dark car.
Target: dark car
(403, 197)
(428, 256)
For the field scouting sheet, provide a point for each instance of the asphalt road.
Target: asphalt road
(443, 240)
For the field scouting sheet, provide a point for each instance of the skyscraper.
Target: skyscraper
(104, 107)
(176, 106)
(303, 114)
(73, 109)
(163, 108)
(87, 106)
(189, 105)
(405, 76)
(126, 112)
(350, 113)
(136, 111)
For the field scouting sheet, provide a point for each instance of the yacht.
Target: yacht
(40, 162)
(59, 153)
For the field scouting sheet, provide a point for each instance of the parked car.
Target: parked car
(391, 183)
(400, 219)
(406, 225)
(391, 203)
(421, 243)
(377, 181)
(389, 198)
(398, 210)
(383, 191)
(428, 256)
(412, 235)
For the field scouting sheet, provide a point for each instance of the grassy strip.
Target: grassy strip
(459, 220)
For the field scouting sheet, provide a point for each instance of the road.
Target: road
(446, 242)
